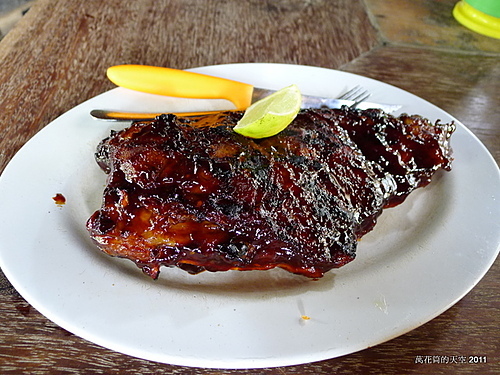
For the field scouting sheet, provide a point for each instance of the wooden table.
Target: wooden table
(57, 55)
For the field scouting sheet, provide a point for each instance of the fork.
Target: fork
(357, 95)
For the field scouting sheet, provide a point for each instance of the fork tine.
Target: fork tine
(361, 97)
(357, 94)
(348, 94)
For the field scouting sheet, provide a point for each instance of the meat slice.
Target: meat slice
(191, 193)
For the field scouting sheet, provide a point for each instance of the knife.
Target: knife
(184, 84)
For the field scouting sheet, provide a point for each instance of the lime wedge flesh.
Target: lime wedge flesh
(270, 115)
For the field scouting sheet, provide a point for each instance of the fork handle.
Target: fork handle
(180, 83)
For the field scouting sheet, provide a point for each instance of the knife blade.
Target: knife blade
(184, 84)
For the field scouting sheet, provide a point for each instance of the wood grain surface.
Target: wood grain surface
(56, 57)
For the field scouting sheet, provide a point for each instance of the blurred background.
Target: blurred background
(11, 11)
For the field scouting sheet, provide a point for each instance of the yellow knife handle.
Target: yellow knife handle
(180, 83)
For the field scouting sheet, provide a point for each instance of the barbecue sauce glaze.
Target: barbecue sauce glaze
(191, 193)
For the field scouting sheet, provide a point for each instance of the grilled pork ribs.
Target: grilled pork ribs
(191, 193)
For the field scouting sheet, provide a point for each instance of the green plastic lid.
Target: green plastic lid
(490, 7)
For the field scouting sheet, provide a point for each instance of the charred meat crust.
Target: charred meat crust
(191, 193)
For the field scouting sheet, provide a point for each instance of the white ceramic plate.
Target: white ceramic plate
(422, 257)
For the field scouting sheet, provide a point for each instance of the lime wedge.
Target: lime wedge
(270, 115)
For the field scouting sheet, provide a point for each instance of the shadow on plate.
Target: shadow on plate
(406, 230)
